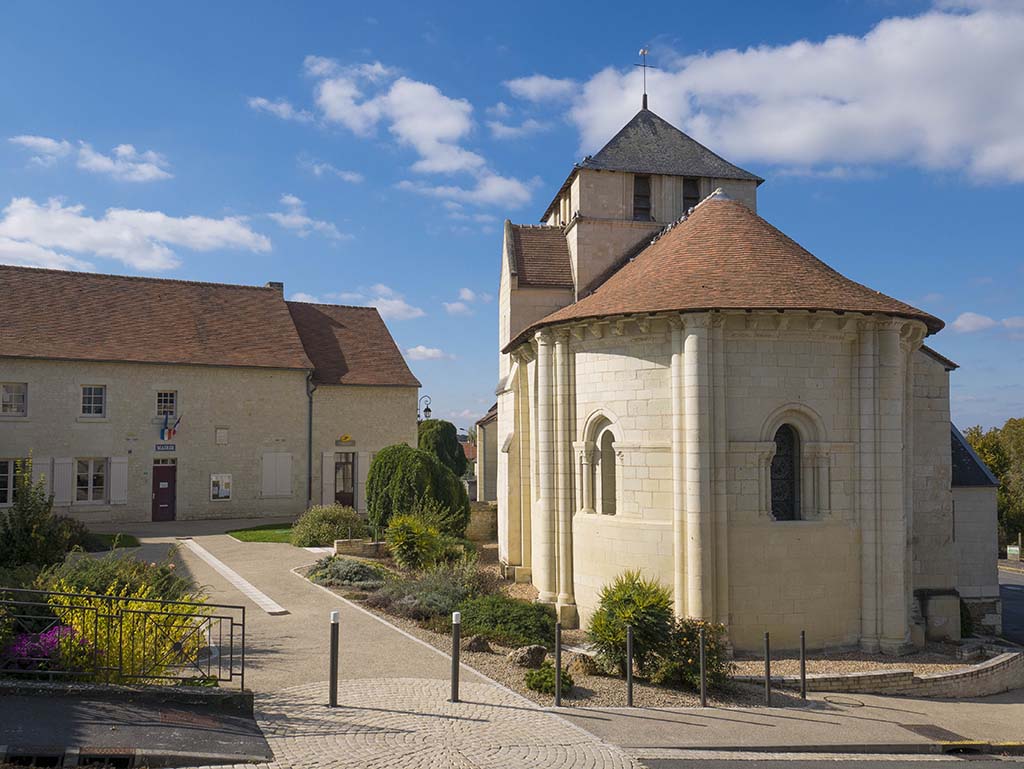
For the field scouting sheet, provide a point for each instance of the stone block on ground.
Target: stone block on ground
(528, 656)
(476, 643)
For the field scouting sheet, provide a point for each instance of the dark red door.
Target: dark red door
(164, 492)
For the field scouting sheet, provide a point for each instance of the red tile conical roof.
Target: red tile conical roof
(724, 256)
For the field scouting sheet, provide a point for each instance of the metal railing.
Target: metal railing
(49, 635)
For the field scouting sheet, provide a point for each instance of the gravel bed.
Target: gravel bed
(932, 659)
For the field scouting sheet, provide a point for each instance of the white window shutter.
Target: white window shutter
(63, 481)
(283, 482)
(267, 485)
(119, 480)
(327, 479)
(42, 471)
(362, 471)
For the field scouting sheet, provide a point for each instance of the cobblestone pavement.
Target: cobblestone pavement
(409, 723)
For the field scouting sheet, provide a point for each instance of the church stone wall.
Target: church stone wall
(934, 564)
(786, 576)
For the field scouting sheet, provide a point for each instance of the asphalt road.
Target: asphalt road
(1011, 590)
(842, 761)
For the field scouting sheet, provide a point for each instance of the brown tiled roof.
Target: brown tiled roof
(724, 256)
(469, 450)
(349, 345)
(84, 316)
(540, 255)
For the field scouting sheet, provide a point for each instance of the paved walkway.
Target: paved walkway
(394, 688)
(1011, 590)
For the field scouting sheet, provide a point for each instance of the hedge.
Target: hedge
(401, 476)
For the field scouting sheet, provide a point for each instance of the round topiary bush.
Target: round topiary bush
(543, 680)
(402, 478)
(321, 525)
(644, 604)
(413, 542)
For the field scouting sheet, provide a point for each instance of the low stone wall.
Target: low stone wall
(361, 548)
(483, 523)
(999, 674)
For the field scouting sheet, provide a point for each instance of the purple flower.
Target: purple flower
(43, 651)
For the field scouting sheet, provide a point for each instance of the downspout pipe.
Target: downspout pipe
(310, 389)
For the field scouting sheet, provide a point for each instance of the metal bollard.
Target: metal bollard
(703, 673)
(629, 666)
(334, 659)
(558, 664)
(456, 632)
(767, 670)
(803, 665)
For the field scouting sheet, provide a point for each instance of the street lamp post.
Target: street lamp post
(424, 404)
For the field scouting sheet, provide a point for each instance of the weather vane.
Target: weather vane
(645, 66)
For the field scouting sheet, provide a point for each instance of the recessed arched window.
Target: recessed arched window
(785, 475)
(606, 467)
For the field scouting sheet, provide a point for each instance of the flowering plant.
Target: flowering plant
(60, 647)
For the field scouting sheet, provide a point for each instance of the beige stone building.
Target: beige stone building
(487, 456)
(686, 391)
(142, 399)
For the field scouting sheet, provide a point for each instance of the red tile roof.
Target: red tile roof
(53, 314)
(540, 255)
(350, 345)
(724, 256)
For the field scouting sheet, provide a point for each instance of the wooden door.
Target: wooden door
(164, 492)
(345, 478)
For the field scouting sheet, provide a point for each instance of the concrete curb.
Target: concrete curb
(140, 756)
(1011, 569)
(895, 748)
(231, 701)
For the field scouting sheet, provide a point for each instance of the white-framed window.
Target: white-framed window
(94, 400)
(220, 486)
(14, 399)
(220, 436)
(167, 403)
(91, 479)
(7, 476)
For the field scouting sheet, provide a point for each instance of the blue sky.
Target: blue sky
(369, 153)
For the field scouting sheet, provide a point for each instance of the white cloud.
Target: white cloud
(125, 163)
(894, 95)
(47, 151)
(970, 322)
(281, 108)
(139, 239)
(295, 218)
(300, 296)
(541, 88)
(457, 308)
(318, 169)
(467, 297)
(467, 294)
(489, 190)
(389, 303)
(26, 254)
(500, 130)
(422, 352)
(499, 110)
(363, 98)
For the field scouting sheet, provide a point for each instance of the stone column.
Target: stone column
(524, 473)
(678, 471)
(895, 628)
(564, 477)
(867, 502)
(543, 524)
(697, 437)
(719, 448)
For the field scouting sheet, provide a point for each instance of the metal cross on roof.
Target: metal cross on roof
(646, 66)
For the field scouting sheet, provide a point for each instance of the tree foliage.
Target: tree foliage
(29, 531)
(1002, 449)
(404, 480)
(441, 439)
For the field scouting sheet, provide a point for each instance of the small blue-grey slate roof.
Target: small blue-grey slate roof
(968, 467)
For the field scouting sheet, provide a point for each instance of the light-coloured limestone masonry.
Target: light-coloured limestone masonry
(250, 423)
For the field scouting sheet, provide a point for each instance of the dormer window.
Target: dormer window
(642, 198)
(691, 193)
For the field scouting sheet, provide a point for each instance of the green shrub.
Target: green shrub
(508, 621)
(338, 571)
(402, 480)
(23, 576)
(441, 439)
(679, 664)
(435, 593)
(413, 542)
(542, 680)
(321, 525)
(632, 600)
(29, 532)
(117, 572)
